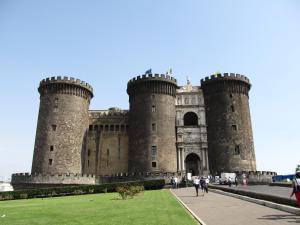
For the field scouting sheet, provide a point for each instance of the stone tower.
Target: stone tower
(152, 138)
(230, 139)
(62, 124)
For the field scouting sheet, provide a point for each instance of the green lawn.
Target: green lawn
(152, 207)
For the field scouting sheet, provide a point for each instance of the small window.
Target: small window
(153, 108)
(237, 150)
(230, 95)
(232, 108)
(90, 127)
(153, 127)
(122, 127)
(101, 127)
(89, 152)
(96, 127)
(55, 108)
(234, 127)
(153, 164)
(106, 127)
(50, 162)
(154, 152)
(51, 148)
(112, 128)
(107, 157)
(53, 127)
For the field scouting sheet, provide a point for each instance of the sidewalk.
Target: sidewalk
(217, 209)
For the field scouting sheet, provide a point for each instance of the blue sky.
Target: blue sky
(106, 43)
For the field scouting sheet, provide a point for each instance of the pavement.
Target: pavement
(218, 209)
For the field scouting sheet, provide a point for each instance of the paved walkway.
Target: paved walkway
(217, 209)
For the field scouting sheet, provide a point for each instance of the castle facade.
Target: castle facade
(203, 129)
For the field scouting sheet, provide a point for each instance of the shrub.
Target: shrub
(126, 191)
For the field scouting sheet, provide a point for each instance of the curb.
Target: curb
(187, 208)
(269, 204)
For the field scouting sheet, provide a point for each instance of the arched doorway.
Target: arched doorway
(190, 119)
(192, 164)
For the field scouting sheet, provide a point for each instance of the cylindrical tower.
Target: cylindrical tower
(229, 130)
(152, 140)
(62, 123)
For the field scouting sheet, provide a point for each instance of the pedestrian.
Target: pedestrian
(196, 184)
(202, 184)
(176, 182)
(229, 182)
(206, 184)
(296, 186)
(172, 182)
(236, 181)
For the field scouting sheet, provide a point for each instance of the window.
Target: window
(89, 152)
(153, 164)
(112, 128)
(96, 127)
(153, 108)
(51, 148)
(230, 95)
(153, 127)
(190, 119)
(154, 152)
(107, 157)
(53, 127)
(106, 127)
(55, 109)
(232, 108)
(237, 150)
(234, 127)
(90, 127)
(50, 162)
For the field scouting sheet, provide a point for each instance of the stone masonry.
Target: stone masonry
(168, 129)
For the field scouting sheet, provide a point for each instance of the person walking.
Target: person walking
(176, 182)
(296, 186)
(206, 184)
(236, 181)
(196, 184)
(202, 184)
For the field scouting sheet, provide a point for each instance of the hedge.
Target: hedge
(78, 190)
(267, 197)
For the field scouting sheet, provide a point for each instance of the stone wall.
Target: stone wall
(152, 124)
(107, 142)
(230, 139)
(62, 126)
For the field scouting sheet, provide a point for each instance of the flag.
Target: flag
(169, 71)
(148, 71)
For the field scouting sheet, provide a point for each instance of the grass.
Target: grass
(153, 207)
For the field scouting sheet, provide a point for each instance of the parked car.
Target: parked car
(225, 177)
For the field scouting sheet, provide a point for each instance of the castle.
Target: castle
(168, 128)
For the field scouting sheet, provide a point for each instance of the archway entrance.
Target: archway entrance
(192, 164)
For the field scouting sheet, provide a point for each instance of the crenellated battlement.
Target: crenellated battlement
(107, 113)
(19, 180)
(225, 76)
(152, 84)
(66, 80)
(148, 77)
